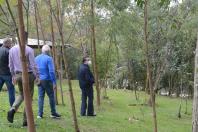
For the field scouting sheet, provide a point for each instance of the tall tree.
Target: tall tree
(195, 99)
(36, 23)
(93, 38)
(25, 78)
(59, 20)
(152, 94)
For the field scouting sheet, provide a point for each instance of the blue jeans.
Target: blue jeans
(11, 90)
(46, 86)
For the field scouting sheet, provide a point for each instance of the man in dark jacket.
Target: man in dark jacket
(5, 75)
(86, 81)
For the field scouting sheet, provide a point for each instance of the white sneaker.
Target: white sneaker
(39, 117)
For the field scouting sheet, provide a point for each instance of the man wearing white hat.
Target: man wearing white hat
(47, 81)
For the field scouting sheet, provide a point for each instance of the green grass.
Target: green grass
(114, 115)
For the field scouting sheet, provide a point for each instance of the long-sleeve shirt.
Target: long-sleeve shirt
(15, 61)
(46, 67)
(85, 77)
(4, 57)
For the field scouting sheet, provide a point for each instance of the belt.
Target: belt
(19, 72)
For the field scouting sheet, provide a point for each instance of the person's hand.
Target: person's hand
(13, 80)
(54, 87)
(37, 81)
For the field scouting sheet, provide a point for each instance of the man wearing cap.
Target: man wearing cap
(47, 81)
(5, 75)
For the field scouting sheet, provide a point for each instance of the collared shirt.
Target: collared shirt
(46, 67)
(4, 57)
(15, 61)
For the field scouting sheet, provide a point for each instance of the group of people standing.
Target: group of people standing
(42, 72)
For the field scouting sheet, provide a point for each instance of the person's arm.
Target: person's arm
(88, 76)
(52, 71)
(32, 63)
(11, 67)
(11, 63)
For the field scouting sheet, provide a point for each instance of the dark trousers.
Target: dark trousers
(7, 79)
(46, 86)
(87, 93)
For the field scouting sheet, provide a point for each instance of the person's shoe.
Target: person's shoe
(55, 115)
(91, 115)
(10, 115)
(25, 124)
(39, 117)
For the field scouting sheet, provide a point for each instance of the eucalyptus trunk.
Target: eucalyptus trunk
(152, 94)
(195, 98)
(94, 53)
(25, 76)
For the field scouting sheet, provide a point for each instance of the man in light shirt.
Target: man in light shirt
(16, 72)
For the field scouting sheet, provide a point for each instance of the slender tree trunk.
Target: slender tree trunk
(60, 28)
(42, 30)
(25, 78)
(152, 94)
(195, 98)
(53, 51)
(106, 70)
(36, 23)
(27, 14)
(61, 78)
(94, 52)
(180, 104)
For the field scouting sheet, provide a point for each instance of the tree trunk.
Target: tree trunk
(53, 51)
(25, 78)
(152, 94)
(70, 85)
(106, 70)
(60, 28)
(195, 98)
(42, 31)
(61, 78)
(94, 52)
(36, 23)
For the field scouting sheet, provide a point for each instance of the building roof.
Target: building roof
(34, 43)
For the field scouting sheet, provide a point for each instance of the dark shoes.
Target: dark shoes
(88, 115)
(92, 115)
(10, 115)
(55, 115)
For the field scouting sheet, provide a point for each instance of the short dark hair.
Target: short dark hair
(84, 59)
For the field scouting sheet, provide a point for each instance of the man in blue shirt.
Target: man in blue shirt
(86, 81)
(47, 81)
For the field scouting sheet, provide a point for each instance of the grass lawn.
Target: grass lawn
(114, 115)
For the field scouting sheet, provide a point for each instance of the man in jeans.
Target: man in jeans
(47, 81)
(5, 75)
(16, 72)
